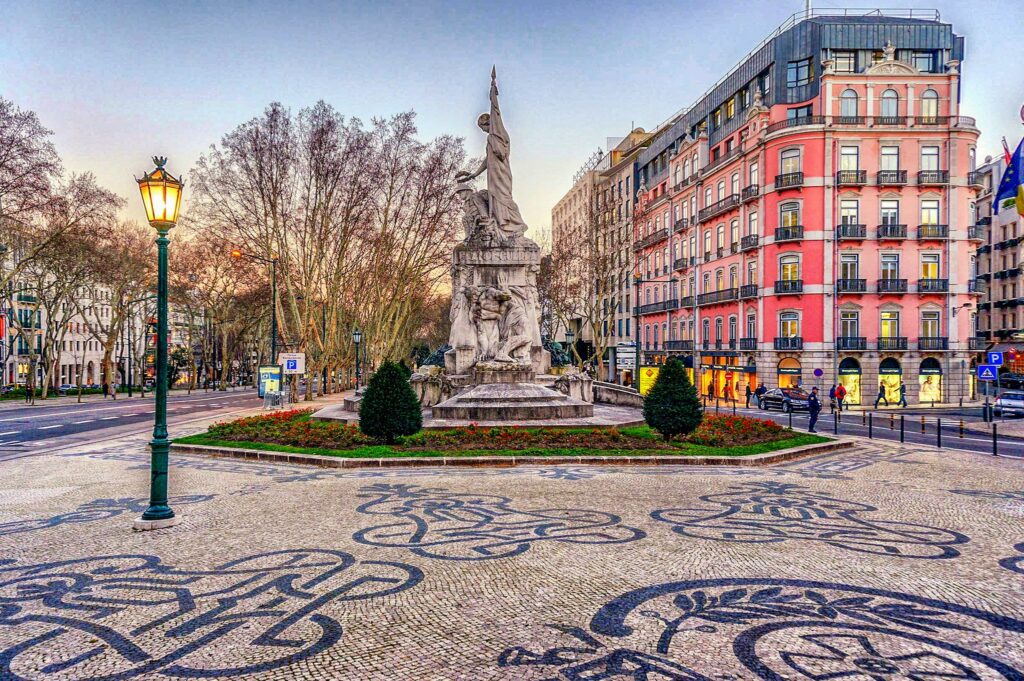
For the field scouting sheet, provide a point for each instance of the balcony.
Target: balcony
(792, 343)
(931, 120)
(734, 247)
(662, 306)
(796, 122)
(848, 231)
(681, 263)
(963, 121)
(748, 243)
(892, 231)
(791, 233)
(785, 286)
(651, 239)
(933, 177)
(720, 252)
(933, 231)
(748, 291)
(933, 285)
(975, 286)
(977, 344)
(851, 177)
(892, 343)
(892, 285)
(976, 178)
(932, 343)
(680, 224)
(750, 192)
(748, 344)
(851, 343)
(849, 120)
(787, 180)
(976, 232)
(713, 297)
(684, 345)
(851, 285)
(723, 159)
(891, 178)
(707, 256)
(686, 301)
(718, 207)
(890, 121)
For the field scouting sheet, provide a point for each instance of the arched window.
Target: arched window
(734, 233)
(721, 189)
(734, 277)
(733, 329)
(735, 184)
(706, 330)
(789, 267)
(890, 103)
(719, 280)
(848, 104)
(930, 104)
(686, 168)
(721, 236)
(718, 329)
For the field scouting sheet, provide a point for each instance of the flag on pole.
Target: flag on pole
(1006, 152)
(1011, 187)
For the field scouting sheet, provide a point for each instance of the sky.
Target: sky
(119, 82)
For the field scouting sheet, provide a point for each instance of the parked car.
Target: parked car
(65, 388)
(786, 399)
(1011, 381)
(1009, 404)
(4, 389)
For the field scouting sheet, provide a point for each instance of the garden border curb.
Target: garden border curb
(764, 459)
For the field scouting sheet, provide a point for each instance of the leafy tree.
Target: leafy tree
(672, 407)
(389, 407)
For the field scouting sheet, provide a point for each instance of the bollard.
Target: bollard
(922, 425)
(835, 421)
(902, 431)
(791, 419)
(734, 407)
(892, 421)
(870, 435)
(995, 447)
(863, 418)
(716, 405)
(938, 432)
(961, 429)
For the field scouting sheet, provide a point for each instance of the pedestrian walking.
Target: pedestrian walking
(832, 399)
(903, 395)
(840, 396)
(814, 406)
(881, 396)
(748, 394)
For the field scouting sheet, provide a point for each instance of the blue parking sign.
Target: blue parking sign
(292, 364)
(995, 358)
(988, 372)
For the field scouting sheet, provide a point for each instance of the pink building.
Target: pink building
(814, 210)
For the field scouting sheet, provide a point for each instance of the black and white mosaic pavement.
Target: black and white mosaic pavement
(876, 563)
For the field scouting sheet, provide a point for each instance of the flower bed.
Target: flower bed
(295, 429)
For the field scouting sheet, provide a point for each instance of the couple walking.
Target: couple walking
(902, 402)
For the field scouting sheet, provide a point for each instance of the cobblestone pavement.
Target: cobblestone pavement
(875, 563)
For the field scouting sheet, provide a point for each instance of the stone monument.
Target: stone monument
(496, 350)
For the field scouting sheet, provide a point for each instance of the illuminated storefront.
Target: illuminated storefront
(849, 378)
(930, 380)
(890, 374)
(751, 370)
(789, 373)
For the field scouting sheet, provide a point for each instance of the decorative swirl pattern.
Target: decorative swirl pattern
(437, 523)
(758, 512)
(130, 616)
(779, 629)
(95, 510)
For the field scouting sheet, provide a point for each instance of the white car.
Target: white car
(1009, 404)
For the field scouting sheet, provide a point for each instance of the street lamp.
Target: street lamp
(273, 296)
(357, 338)
(161, 195)
(569, 338)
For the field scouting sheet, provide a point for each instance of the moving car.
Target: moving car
(786, 399)
(1009, 404)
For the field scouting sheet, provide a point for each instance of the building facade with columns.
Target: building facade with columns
(808, 220)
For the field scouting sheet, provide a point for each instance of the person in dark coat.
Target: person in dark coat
(814, 406)
(903, 395)
(881, 396)
(748, 394)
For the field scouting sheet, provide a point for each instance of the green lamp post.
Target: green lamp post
(161, 195)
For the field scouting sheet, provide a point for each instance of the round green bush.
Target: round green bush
(389, 407)
(672, 406)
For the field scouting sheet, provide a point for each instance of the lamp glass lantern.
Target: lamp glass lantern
(161, 195)
(357, 336)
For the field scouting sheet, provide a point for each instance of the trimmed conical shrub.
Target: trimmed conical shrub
(389, 407)
(672, 406)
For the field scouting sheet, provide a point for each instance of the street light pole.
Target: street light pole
(357, 337)
(161, 195)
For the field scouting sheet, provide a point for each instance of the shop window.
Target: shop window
(890, 375)
(849, 378)
(930, 381)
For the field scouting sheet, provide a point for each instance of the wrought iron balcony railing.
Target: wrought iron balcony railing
(791, 343)
(750, 192)
(888, 178)
(748, 344)
(748, 242)
(791, 233)
(787, 180)
(933, 177)
(849, 231)
(892, 231)
(851, 177)
(784, 286)
(932, 343)
(933, 231)
(851, 285)
(892, 285)
(748, 291)
(892, 343)
(932, 285)
(851, 343)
